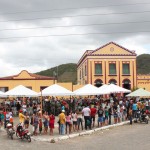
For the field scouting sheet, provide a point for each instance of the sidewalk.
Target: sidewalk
(56, 137)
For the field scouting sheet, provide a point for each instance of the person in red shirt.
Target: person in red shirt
(93, 113)
(51, 123)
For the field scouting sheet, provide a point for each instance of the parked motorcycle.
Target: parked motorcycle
(10, 130)
(23, 133)
(143, 118)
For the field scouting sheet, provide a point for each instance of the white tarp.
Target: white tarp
(111, 88)
(55, 90)
(88, 90)
(21, 91)
(139, 93)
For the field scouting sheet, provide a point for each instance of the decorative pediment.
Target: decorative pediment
(23, 75)
(112, 49)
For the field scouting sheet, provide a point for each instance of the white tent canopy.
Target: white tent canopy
(21, 91)
(55, 90)
(139, 93)
(2, 94)
(103, 89)
(88, 90)
(112, 88)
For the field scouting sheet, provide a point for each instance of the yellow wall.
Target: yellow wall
(143, 81)
(35, 84)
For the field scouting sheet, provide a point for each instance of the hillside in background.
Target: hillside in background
(143, 64)
(68, 72)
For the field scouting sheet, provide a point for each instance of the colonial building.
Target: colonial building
(110, 63)
(32, 81)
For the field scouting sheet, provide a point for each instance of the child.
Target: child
(51, 123)
(40, 126)
(11, 120)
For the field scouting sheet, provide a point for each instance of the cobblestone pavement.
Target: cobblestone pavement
(135, 137)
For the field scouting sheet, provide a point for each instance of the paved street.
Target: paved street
(124, 137)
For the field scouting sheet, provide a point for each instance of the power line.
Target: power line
(80, 34)
(95, 24)
(86, 15)
(58, 9)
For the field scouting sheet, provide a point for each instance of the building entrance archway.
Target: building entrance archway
(98, 83)
(126, 84)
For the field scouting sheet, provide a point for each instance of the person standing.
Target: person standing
(106, 115)
(74, 119)
(86, 112)
(45, 122)
(100, 116)
(68, 122)
(18, 106)
(62, 120)
(40, 126)
(35, 123)
(79, 119)
(21, 117)
(93, 113)
(130, 115)
(51, 123)
(134, 108)
(110, 111)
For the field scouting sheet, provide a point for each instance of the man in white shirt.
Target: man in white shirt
(86, 112)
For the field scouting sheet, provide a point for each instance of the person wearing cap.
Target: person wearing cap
(21, 117)
(62, 120)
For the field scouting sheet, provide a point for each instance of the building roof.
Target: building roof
(25, 75)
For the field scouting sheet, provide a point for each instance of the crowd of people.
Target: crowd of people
(74, 115)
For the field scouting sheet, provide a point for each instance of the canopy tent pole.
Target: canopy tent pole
(41, 104)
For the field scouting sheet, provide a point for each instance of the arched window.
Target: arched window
(112, 81)
(98, 82)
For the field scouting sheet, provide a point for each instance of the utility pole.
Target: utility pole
(54, 76)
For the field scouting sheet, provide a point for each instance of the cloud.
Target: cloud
(35, 54)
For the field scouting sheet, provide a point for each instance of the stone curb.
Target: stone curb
(65, 137)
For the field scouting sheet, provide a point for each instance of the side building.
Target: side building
(32, 81)
(110, 63)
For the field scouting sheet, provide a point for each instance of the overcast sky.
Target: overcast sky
(21, 50)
